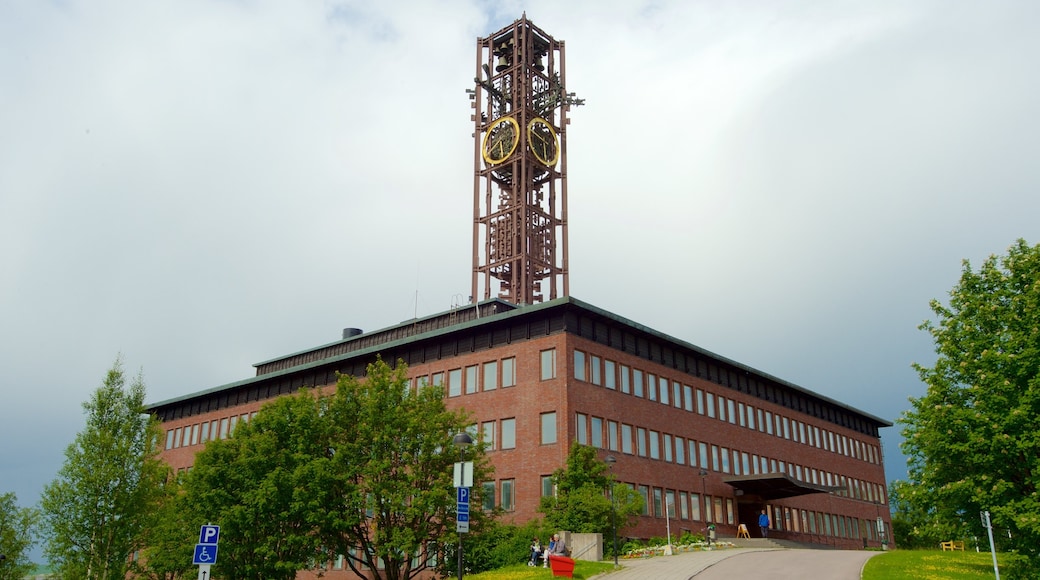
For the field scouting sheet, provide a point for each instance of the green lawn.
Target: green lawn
(929, 565)
(582, 570)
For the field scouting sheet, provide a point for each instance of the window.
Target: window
(169, 439)
(751, 417)
(695, 506)
(684, 511)
(597, 432)
(195, 434)
(700, 402)
(612, 440)
(213, 432)
(187, 435)
(715, 458)
(658, 512)
(722, 408)
(688, 397)
(231, 431)
(651, 386)
(655, 445)
(769, 422)
(438, 379)
(508, 433)
(710, 403)
(740, 415)
(626, 385)
(610, 374)
(507, 494)
(204, 434)
(581, 429)
(594, 367)
(626, 438)
(718, 509)
(729, 405)
(508, 372)
(725, 458)
(645, 492)
(641, 441)
(224, 428)
(491, 375)
(579, 365)
(422, 381)
(547, 486)
(669, 503)
(693, 453)
(454, 382)
(703, 449)
(662, 389)
(488, 496)
(680, 451)
(637, 383)
(667, 447)
(787, 429)
(677, 395)
(548, 364)
(548, 428)
(488, 431)
(471, 379)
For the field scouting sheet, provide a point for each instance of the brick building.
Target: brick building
(712, 439)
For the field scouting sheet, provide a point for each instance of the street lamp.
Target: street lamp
(703, 473)
(462, 441)
(611, 460)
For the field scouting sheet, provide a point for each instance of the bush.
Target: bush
(498, 546)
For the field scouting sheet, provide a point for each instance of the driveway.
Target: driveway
(775, 564)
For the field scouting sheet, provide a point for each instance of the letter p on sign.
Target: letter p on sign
(209, 534)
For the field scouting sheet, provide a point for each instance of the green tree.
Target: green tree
(170, 540)
(97, 509)
(973, 440)
(17, 535)
(364, 472)
(581, 503)
(269, 487)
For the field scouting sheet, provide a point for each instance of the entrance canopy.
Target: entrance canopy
(771, 486)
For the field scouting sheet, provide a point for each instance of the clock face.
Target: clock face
(500, 140)
(543, 141)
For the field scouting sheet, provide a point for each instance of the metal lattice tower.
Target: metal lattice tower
(520, 166)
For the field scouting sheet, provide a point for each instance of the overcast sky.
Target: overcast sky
(201, 185)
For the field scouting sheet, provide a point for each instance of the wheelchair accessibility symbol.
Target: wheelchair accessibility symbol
(205, 554)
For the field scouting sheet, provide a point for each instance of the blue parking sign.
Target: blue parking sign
(209, 534)
(205, 554)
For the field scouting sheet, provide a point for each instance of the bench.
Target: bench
(952, 545)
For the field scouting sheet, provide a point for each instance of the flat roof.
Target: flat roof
(512, 311)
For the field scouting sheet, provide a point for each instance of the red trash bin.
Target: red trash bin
(562, 566)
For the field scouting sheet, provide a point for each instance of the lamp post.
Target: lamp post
(704, 473)
(462, 441)
(611, 460)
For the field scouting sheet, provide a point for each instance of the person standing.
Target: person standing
(763, 524)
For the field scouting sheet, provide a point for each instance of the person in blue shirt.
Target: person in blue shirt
(763, 524)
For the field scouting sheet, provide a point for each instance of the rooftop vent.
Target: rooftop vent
(351, 332)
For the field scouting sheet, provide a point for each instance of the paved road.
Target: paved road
(775, 564)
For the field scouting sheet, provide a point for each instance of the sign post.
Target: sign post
(206, 550)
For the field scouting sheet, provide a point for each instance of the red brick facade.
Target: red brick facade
(497, 367)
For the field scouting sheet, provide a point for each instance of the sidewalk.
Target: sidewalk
(678, 567)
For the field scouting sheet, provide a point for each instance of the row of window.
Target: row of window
(687, 506)
(487, 376)
(200, 433)
(675, 449)
(638, 383)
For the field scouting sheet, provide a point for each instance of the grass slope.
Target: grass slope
(929, 565)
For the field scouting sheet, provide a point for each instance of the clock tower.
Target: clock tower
(520, 120)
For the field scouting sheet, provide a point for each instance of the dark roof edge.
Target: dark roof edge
(726, 360)
(518, 310)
